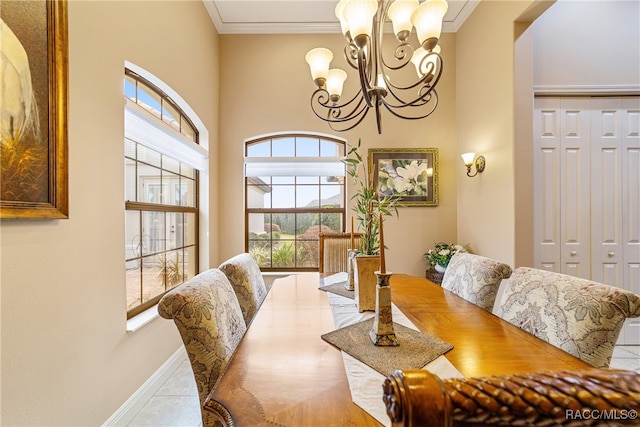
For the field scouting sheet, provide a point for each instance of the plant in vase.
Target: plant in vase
(439, 256)
(369, 208)
(368, 205)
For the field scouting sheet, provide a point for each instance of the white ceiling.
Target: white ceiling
(300, 16)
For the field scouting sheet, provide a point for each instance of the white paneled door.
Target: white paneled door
(587, 191)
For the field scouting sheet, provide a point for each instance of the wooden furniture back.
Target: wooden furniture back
(416, 398)
(333, 251)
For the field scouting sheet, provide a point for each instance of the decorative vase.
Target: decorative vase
(366, 281)
(440, 269)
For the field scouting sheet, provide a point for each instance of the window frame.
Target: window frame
(248, 211)
(141, 207)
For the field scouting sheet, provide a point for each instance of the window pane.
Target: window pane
(171, 265)
(170, 115)
(189, 229)
(170, 164)
(152, 232)
(258, 196)
(283, 196)
(283, 254)
(331, 196)
(149, 190)
(188, 171)
(331, 221)
(308, 196)
(285, 224)
(130, 88)
(148, 99)
(331, 149)
(152, 278)
(148, 155)
(256, 225)
(188, 131)
(129, 179)
(307, 225)
(187, 192)
(173, 230)
(260, 250)
(190, 262)
(261, 149)
(307, 147)
(133, 278)
(170, 189)
(129, 148)
(307, 253)
(132, 238)
(283, 147)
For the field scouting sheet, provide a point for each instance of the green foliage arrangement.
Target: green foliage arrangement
(368, 204)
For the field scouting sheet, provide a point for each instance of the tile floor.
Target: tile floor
(176, 402)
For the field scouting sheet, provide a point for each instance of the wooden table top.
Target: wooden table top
(284, 373)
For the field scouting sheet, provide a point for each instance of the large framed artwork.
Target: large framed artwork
(411, 173)
(33, 109)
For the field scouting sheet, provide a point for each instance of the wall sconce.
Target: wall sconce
(468, 159)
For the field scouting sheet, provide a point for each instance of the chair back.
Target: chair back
(246, 278)
(579, 316)
(207, 314)
(333, 251)
(475, 278)
(419, 398)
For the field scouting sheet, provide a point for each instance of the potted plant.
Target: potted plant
(439, 256)
(368, 207)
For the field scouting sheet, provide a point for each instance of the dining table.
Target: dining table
(284, 374)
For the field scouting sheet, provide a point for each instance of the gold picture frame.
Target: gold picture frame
(34, 137)
(411, 173)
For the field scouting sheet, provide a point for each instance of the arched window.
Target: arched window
(162, 160)
(294, 189)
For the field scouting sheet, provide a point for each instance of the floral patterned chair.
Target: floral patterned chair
(245, 277)
(475, 278)
(579, 316)
(206, 311)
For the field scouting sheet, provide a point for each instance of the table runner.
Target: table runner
(365, 383)
(336, 284)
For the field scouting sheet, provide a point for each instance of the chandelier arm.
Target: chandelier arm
(433, 105)
(334, 112)
(403, 53)
(362, 114)
(351, 55)
(365, 86)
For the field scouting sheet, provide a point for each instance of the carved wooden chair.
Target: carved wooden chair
(207, 314)
(246, 278)
(333, 251)
(475, 278)
(419, 398)
(579, 316)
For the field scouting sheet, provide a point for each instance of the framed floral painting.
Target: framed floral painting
(411, 173)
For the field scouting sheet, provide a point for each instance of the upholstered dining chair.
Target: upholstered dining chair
(207, 314)
(475, 278)
(333, 251)
(246, 278)
(579, 316)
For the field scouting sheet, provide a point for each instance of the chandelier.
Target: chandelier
(362, 23)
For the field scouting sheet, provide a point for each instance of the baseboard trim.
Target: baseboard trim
(125, 413)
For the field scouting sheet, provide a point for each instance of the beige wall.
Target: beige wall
(485, 84)
(66, 356)
(267, 86)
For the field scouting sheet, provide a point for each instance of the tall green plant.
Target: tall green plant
(368, 205)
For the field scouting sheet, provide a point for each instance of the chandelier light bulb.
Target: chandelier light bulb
(400, 14)
(359, 14)
(422, 65)
(427, 19)
(335, 81)
(319, 60)
(344, 25)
